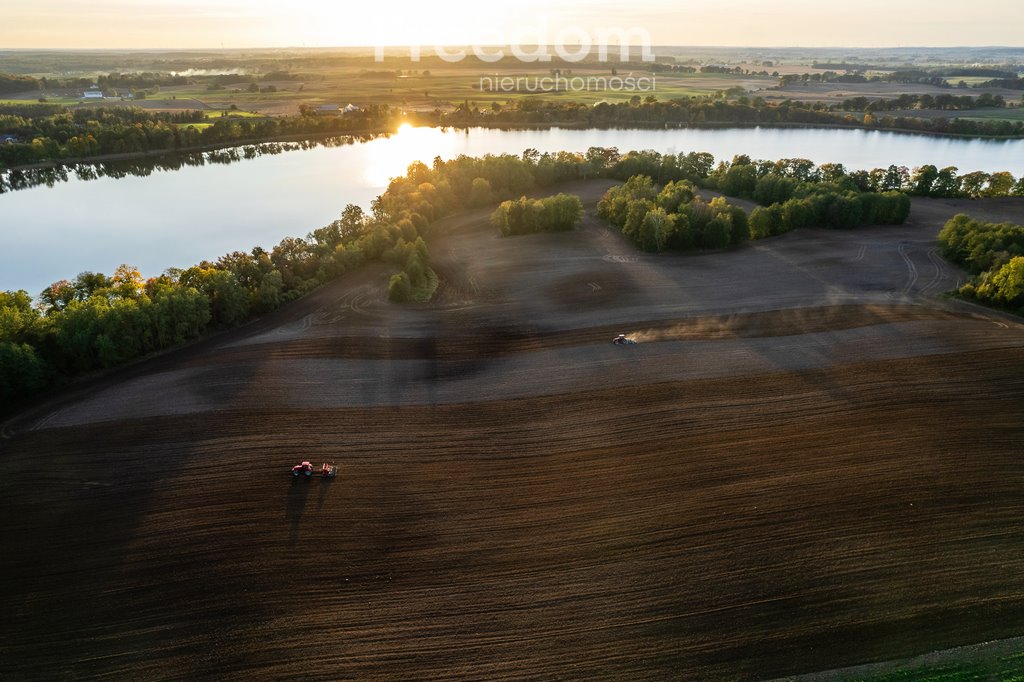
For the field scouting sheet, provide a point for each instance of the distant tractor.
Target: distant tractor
(623, 340)
(306, 469)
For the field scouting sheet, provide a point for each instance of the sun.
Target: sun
(405, 129)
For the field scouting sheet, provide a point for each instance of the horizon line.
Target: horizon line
(449, 45)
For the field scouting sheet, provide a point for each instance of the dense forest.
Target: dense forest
(994, 253)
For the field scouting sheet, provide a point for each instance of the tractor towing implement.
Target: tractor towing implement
(305, 469)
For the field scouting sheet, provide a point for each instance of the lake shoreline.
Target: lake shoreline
(159, 212)
(156, 155)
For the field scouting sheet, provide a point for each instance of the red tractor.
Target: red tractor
(304, 469)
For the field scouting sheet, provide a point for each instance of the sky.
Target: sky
(330, 23)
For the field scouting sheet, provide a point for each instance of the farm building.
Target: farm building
(328, 108)
(8, 139)
(350, 109)
(93, 93)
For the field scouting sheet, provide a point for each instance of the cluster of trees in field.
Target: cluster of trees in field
(709, 111)
(821, 77)
(659, 67)
(46, 133)
(821, 206)
(416, 282)
(794, 193)
(556, 213)
(672, 218)
(994, 253)
(1013, 83)
(11, 83)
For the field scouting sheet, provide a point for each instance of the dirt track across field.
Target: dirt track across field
(811, 460)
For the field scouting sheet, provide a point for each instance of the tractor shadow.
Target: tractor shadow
(298, 496)
(323, 486)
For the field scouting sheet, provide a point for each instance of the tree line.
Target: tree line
(48, 133)
(11, 83)
(26, 178)
(711, 111)
(994, 254)
(855, 73)
(933, 102)
(742, 178)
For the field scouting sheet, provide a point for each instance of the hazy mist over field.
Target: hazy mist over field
(268, 23)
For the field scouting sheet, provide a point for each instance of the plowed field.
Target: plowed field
(811, 460)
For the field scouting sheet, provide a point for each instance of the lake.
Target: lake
(178, 218)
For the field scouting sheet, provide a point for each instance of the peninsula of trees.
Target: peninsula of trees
(95, 321)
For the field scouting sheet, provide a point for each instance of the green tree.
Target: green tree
(229, 300)
(947, 183)
(675, 194)
(22, 372)
(765, 221)
(923, 179)
(999, 185)
(1007, 285)
(973, 184)
(656, 230)
(717, 233)
(738, 181)
(481, 193)
(399, 288)
(18, 317)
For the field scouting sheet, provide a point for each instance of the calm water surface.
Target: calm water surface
(178, 218)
